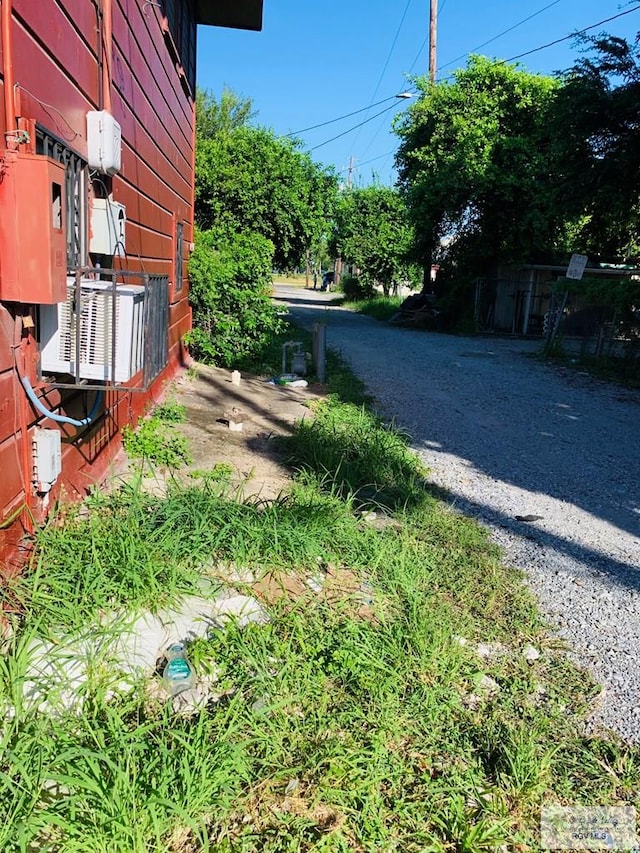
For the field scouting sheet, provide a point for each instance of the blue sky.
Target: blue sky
(315, 61)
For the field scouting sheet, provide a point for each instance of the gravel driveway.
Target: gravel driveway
(507, 436)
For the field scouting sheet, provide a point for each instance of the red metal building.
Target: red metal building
(96, 223)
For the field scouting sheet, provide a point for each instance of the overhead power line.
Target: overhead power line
(520, 55)
(373, 139)
(372, 160)
(573, 35)
(351, 129)
(503, 33)
(424, 43)
(386, 63)
(391, 49)
(340, 118)
(418, 55)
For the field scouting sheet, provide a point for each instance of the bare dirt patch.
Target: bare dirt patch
(335, 585)
(267, 412)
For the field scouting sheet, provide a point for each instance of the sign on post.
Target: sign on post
(576, 267)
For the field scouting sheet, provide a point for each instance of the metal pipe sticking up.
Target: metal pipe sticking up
(7, 70)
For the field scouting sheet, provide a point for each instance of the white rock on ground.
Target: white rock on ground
(530, 654)
(129, 647)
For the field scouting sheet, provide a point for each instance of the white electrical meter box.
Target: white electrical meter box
(104, 142)
(47, 458)
(107, 227)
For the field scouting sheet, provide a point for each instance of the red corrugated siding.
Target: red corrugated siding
(135, 31)
(141, 209)
(154, 178)
(2, 118)
(41, 76)
(80, 15)
(56, 59)
(8, 408)
(6, 341)
(12, 491)
(147, 134)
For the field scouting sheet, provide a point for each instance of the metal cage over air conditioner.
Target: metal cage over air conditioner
(113, 327)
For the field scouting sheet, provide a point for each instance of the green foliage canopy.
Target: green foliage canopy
(372, 231)
(473, 165)
(230, 286)
(260, 202)
(248, 179)
(215, 117)
(596, 125)
(499, 164)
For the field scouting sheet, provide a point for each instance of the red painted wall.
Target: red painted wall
(56, 67)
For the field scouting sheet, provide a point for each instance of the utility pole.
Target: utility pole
(427, 283)
(433, 36)
(350, 172)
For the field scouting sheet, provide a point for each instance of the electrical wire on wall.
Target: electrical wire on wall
(49, 108)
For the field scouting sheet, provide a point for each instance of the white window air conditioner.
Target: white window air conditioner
(99, 336)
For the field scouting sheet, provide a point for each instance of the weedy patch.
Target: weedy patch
(381, 308)
(332, 728)
(153, 440)
(170, 412)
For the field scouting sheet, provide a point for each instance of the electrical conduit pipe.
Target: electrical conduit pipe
(60, 419)
(20, 345)
(7, 68)
(107, 49)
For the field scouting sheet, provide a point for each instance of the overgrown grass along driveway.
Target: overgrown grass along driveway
(414, 723)
(379, 307)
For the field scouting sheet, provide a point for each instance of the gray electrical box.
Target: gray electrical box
(108, 227)
(47, 458)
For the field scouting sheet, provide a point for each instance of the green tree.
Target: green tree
(372, 232)
(259, 202)
(596, 125)
(474, 167)
(249, 179)
(215, 117)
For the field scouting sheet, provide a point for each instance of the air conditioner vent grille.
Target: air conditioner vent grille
(95, 328)
(101, 341)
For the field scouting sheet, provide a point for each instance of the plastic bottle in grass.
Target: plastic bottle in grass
(178, 674)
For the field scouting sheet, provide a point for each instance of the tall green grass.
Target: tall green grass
(362, 457)
(338, 728)
(381, 308)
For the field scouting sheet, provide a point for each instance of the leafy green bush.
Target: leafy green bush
(171, 412)
(355, 289)
(621, 295)
(153, 440)
(230, 278)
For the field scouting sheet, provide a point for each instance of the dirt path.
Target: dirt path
(547, 458)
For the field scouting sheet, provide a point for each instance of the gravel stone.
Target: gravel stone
(504, 435)
(530, 654)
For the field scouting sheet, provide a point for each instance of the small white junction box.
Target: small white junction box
(104, 142)
(47, 458)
